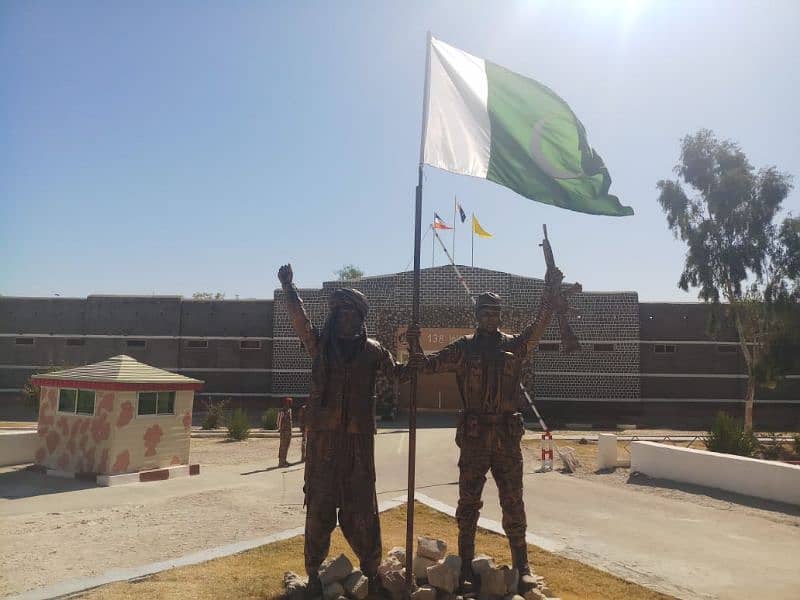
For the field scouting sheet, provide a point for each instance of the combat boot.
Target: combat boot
(519, 559)
(314, 587)
(466, 551)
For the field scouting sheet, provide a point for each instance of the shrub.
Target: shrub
(269, 420)
(239, 426)
(797, 444)
(771, 450)
(729, 436)
(215, 413)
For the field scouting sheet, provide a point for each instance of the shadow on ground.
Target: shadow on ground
(760, 503)
(22, 483)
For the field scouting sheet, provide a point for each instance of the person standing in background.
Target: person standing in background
(285, 431)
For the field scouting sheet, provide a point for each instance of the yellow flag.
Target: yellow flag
(478, 230)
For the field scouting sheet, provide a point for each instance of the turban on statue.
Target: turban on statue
(349, 296)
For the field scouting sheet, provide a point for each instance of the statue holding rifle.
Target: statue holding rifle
(340, 425)
(487, 366)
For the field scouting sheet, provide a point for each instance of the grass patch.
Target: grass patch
(258, 573)
(18, 424)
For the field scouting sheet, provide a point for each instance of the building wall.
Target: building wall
(163, 331)
(616, 376)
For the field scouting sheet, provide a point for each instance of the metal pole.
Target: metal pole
(473, 240)
(412, 400)
(455, 218)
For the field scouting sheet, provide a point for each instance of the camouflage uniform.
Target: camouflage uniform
(340, 421)
(487, 367)
(285, 432)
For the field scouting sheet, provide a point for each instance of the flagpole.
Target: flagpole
(454, 227)
(412, 400)
(473, 239)
(433, 249)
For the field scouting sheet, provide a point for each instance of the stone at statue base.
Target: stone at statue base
(431, 548)
(437, 579)
(398, 553)
(334, 570)
(444, 575)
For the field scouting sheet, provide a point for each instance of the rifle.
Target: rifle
(569, 341)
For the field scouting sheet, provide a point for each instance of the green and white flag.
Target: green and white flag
(489, 122)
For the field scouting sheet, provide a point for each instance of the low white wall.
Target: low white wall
(17, 447)
(750, 476)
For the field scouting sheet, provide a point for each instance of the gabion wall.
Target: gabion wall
(593, 372)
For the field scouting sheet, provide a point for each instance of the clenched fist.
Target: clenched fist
(285, 274)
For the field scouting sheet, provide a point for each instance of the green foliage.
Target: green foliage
(239, 426)
(208, 296)
(32, 394)
(729, 436)
(215, 413)
(771, 450)
(735, 251)
(385, 406)
(269, 420)
(349, 273)
(797, 444)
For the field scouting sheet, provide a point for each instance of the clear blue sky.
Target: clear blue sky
(152, 147)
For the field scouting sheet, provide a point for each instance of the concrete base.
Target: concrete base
(126, 478)
(149, 475)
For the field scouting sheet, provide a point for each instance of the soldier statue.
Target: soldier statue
(340, 424)
(487, 365)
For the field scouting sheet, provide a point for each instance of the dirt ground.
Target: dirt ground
(81, 543)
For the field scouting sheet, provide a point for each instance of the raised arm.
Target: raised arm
(529, 337)
(294, 306)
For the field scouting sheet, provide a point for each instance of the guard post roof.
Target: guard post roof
(117, 373)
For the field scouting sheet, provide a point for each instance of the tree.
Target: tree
(349, 273)
(736, 253)
(208, 296)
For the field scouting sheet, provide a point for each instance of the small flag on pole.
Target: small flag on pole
(438, 222)
(478, 230)
(486, 121)
(461, 212)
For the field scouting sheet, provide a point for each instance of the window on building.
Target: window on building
(79, 402)
(728, 349)
(75, 342)
(24, 341)
(67, 399)
(197, 344)
(250, 345)
(664, 348)
(549, 347)
(156, 403)
(85, 402)
(136, 343)
(604, 347)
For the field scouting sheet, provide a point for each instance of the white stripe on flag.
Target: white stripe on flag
(458, 133)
